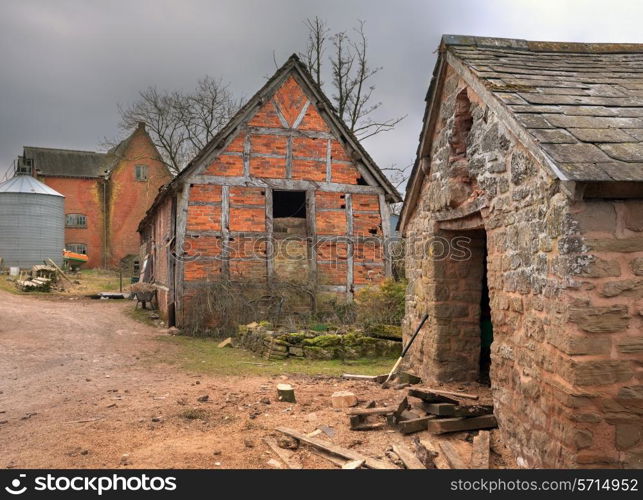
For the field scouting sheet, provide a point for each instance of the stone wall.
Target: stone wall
(271, 344)
(564, 293)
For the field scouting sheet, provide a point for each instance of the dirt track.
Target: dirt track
(80, 387)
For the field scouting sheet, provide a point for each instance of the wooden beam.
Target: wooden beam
(345, 453)
(353, 464)
(225, 229)
(370, 411)
(451, 455)
(246, 155)
(480, 452)
(311, 229)
(329, 175)
(286, 457)
(285, 184)
(351, 246)
(385, 216)
(444, 425)
(415, 425)
(270, 251)
(430, 397)
(451, 393)
(289, 157)
(440, 409)
(408, 457)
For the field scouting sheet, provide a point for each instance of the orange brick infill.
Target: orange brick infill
(330, 200)
(247, 196)
(197, 270)
(274, 168)
(229, 165)
(208, 193)
(332, 273)
(309, 148)
(338, 152)
(247, 219)
(268, 144)
(201, 245)
(331, 222)
(366, 224)
(344, 173)
(368, 274)
(204, 218)
(309, 170)
(366, 202)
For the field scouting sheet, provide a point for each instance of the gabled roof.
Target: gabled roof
(26, 184)
(67, 162)
(54, 162)
(579, 104)
(292, 65)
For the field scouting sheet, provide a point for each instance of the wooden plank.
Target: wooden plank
(430, 397)
(351, 376)
(285, 184)
(59, 270)
(339, 462)
(416, 425)
(473, 411)
(351, 246)
(480, 452)
(408, 457)
(353, 464)
(385, 216)
(443, 425)
(404, 404)
(285, 456)
(440, 409)
(371, 463)
(370, 411)
(225, 229)
(270, 251)
(451, 455)
(451, 393)
(371, 426)
(425, 453)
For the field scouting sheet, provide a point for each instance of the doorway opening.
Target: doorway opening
(289, 212)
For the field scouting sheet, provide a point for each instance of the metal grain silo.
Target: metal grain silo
(32, 222)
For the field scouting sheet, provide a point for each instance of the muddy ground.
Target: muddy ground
(82, 386)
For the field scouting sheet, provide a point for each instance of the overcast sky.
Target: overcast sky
(65, 65)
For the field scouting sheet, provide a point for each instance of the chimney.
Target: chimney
(141, 126)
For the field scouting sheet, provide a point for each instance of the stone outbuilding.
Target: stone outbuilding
(524, 227)
(283, 195)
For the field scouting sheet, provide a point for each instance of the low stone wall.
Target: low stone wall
(271, 344)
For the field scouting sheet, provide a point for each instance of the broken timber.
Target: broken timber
(347, 454)
(451, 455)
(451, 393)
(408, 457)
(285, 456)
(480, 452)
(444, 425)
(370, 411)
(414, 425)
(430, 396)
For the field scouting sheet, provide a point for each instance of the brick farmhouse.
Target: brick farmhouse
(106, 194)
(524, 225)
(284, 192)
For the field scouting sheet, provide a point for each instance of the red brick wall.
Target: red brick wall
(83, 196)
(130, 199)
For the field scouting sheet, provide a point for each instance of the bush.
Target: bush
(381, 304)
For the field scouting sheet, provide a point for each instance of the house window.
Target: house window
(25, 166)
(141, 172)
(77, 248)
(75, 220)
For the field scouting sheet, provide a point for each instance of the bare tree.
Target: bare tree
(181, 123)
(350, 74)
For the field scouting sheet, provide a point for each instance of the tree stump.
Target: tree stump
(286, 393)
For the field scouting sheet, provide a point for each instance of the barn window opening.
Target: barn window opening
(461, 125)
(141, 172)
(75, 220)
(77, 248)
(361, 181)
(289, 212)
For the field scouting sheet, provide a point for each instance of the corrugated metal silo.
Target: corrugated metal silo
(32, 222)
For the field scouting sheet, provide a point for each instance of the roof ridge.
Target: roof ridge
(84, 151)
(541, 46)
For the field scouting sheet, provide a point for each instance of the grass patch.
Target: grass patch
(140, 315)
(203, 356)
